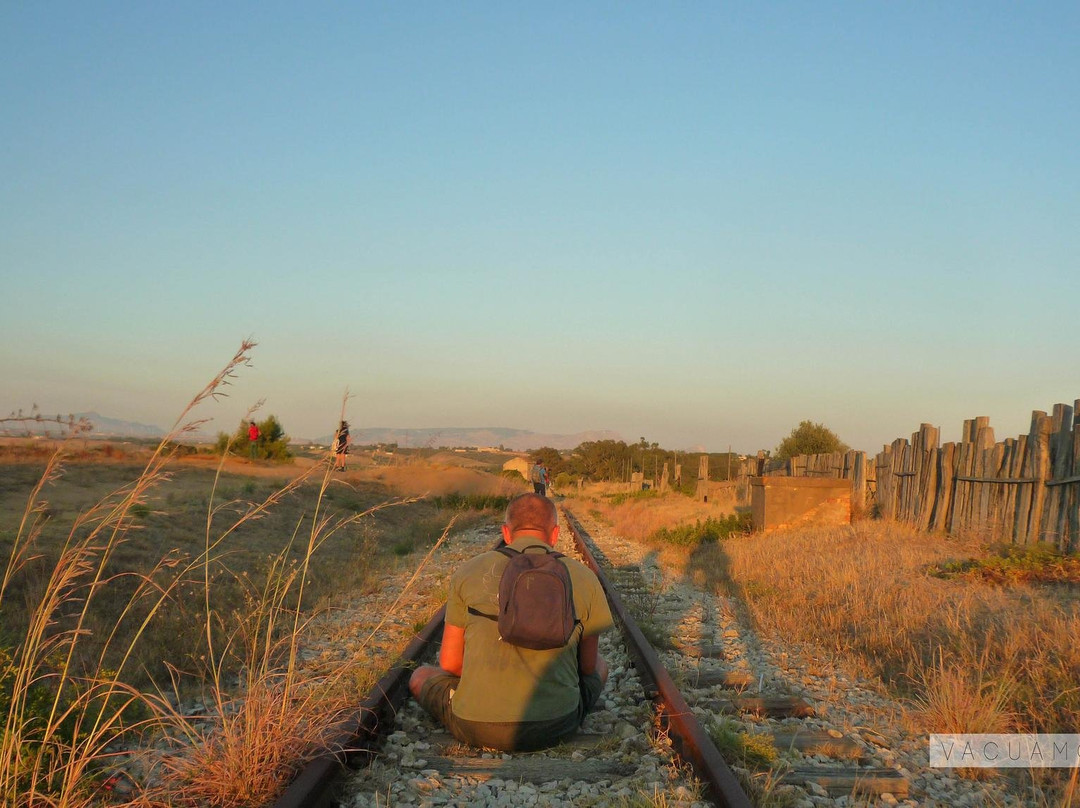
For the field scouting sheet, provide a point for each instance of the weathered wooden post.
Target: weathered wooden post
(702, 494)
(858, 481)
(1057, 497)
(946, 481)
(1040, 471)
(926, 475)
(664, 478)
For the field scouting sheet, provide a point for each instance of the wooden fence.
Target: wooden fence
(1020, 490)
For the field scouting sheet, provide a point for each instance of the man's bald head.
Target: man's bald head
(532, 513)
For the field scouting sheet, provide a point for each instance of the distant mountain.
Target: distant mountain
(103, 427)
(518, 440)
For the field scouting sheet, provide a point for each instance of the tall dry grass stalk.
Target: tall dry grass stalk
(59, 717)
(958, 698)
(63, 708)
(267, 716)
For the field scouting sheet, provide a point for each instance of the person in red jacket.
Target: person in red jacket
(253, 438)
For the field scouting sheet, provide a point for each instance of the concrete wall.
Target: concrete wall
(518, 464)
(787, 501)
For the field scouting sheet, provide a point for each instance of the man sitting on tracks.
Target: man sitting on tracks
(490, 693)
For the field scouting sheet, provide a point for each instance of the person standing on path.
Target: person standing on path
(341, 446)
(538, 476)
(253, 439)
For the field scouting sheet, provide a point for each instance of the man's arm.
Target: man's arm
(452, 653)
(588, 652)
(451, 656)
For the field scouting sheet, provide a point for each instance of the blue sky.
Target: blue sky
(700, 223)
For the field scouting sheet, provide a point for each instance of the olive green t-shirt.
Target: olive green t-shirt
(501, 682)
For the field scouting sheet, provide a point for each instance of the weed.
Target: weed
(703, 532)
(961, 697)
(751, 751)
(620, 498)
(471, 502)
(1034, 563)
(658, 636)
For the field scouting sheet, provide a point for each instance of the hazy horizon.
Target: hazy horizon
(700, 225)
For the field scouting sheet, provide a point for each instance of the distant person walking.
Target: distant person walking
(253, 439)
(341, 446)
(539, 476)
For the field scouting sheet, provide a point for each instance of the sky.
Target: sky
(700, 223)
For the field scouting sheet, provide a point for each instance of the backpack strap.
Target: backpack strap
(504, 550)
(510, 552)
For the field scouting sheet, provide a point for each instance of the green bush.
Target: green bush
(619, 499)
(273, 443)
(1042, 563)
(809, 438)
(703, 532)
(471, 502)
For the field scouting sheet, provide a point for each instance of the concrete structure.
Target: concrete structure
(777, 502)
(518, 464)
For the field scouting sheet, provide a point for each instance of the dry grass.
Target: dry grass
(59, 720)
(86, 588)
(974, 657)
(638, 516)
(421, 478)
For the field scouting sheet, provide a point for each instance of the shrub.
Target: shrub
(619, 499)
(273, 443)
(1043, 563)
(703, 532)
(809, 438)
(471, 502)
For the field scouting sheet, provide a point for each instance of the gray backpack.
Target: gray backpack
(536, 600)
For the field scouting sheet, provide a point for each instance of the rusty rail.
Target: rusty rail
(691, 741)
(312, 787)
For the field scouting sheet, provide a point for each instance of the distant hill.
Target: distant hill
(103, 427)
(518, 440)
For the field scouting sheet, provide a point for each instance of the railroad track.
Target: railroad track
(648, 738)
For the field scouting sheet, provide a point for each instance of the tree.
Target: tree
(809, 438)
(551, 458)
(273, 443)
(601, 460)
